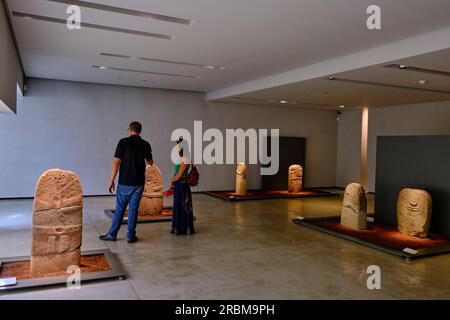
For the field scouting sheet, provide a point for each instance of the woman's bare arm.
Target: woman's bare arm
(180, 172)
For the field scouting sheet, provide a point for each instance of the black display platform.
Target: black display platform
(149, 219)
(267, 195)
(115, 272)
(380, 236)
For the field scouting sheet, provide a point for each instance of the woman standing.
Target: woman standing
(183, 215)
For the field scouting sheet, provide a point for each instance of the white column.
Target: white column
(364, 142)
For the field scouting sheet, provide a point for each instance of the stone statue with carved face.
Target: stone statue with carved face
(295, 178)
(57, 222)
(241, 179)
(414, 212)
(152, 197)
(354, 207)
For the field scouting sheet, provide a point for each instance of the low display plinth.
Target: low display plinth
(166, 216)
(269, 194)
(95, 265)
(380, 236)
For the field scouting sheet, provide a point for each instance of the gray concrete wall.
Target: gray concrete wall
(75, 126)
(418, 119)
(10, 69)
(348, 148)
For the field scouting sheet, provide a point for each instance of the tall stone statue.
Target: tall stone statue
(57, 222)
(295, 178)
(241, 179)
(152, 197)
(354, 207)
(414, 212)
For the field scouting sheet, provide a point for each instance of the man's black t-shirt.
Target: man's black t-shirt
(133, 151)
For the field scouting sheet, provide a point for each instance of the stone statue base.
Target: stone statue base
(54, 262)
(150, 206)
(295, 186)
(241, 187)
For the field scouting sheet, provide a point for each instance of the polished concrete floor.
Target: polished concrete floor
(242, 250)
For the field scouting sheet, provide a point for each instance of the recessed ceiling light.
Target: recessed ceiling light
(93, 26)
(148, 72)
(283, 101)
(211, 67)
(378, 84)
(341, 106)
(142, 14)
(423, 82)
(402, 66)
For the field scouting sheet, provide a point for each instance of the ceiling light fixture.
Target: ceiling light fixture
(379, 84)
(283, 101)
(93, 26)
(136, 13)
(331, 78)
(148, 72)
(342, 106)
(423, 82)
(211, 67)
(417, 69)
(245, 100)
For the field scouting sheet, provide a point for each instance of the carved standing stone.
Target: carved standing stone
(57, 222)
(354, 207)
(241, 179)
(414, 212)
(152, 197)
(295, 178)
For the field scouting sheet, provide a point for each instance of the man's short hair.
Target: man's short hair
(135, 126)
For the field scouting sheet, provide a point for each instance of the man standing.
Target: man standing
(131, 154)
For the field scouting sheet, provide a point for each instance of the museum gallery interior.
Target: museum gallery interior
(307, 141)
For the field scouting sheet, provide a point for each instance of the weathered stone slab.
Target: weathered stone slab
(152, 198)
(57, 222)
(354, 207)
(241, 179)
(295, 178)
(414, 208)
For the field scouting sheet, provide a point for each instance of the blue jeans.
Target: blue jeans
(126, 195)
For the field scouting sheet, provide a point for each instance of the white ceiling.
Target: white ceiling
(251, 39)
(373, 86)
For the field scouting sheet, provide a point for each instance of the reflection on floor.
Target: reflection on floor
(242, 250)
